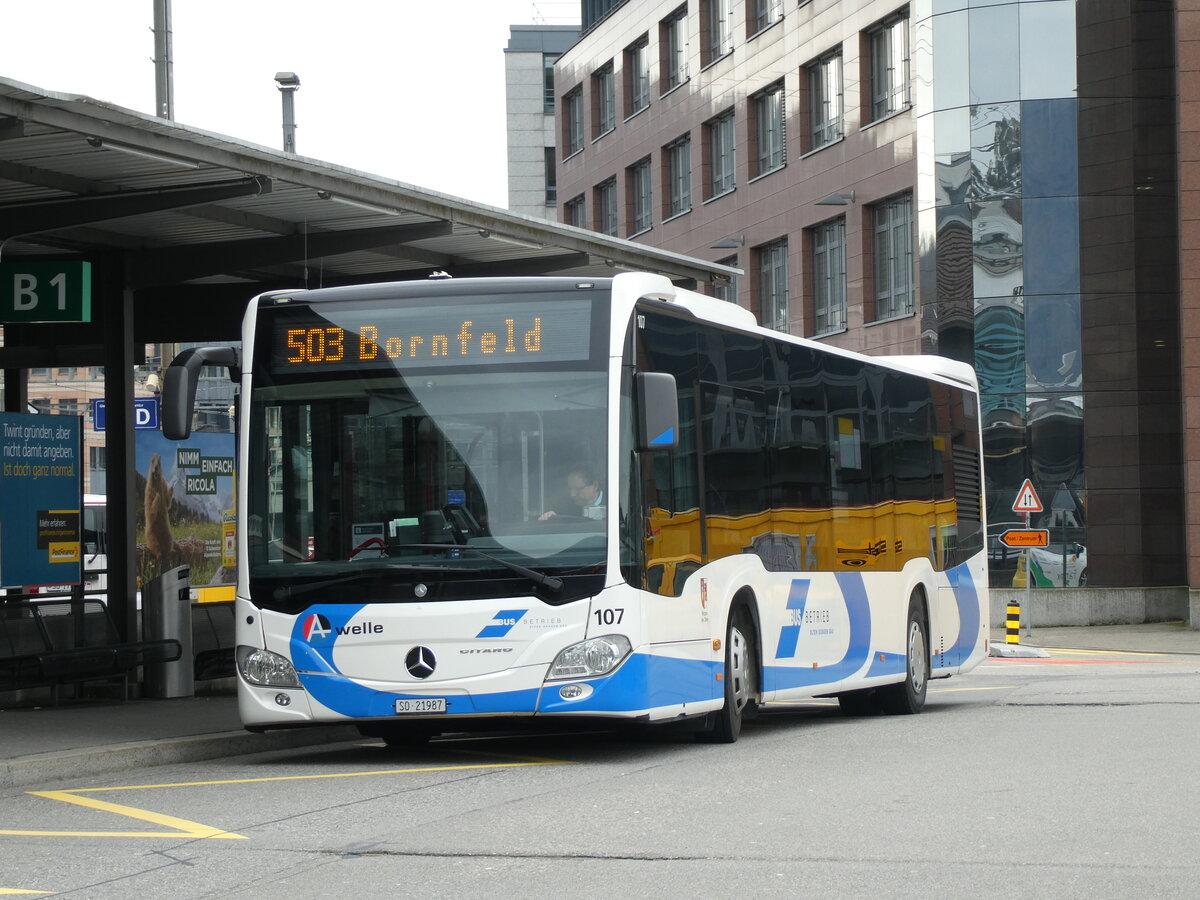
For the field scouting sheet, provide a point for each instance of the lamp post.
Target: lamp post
(288, 83)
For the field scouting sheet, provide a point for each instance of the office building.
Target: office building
(1005, 183)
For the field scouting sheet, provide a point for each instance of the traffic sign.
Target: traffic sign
(1035, 537)
(1027, 499)
(145, 414)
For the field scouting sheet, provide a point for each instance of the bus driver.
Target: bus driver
(584, 487)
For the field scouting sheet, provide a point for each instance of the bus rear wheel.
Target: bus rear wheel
(907, 697)
(740, 678)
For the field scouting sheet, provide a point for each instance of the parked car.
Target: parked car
(1049, 563)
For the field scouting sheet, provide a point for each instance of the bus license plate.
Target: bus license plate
(408, 705)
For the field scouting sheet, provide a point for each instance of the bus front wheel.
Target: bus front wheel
(739, 680)
(908, 696)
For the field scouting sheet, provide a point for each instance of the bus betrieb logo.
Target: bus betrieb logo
(502, 623)
(316, 626)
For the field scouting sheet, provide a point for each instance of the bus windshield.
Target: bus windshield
(398, 472)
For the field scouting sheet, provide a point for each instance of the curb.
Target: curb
(1015, 651)
(74, 764)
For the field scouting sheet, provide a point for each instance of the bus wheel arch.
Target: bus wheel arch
(742, 673)
(908, 696)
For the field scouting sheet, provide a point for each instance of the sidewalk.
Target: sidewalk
(1152, 637)
(83, 738)
(66, 745)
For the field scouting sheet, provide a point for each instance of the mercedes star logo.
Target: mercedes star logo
(420, 662)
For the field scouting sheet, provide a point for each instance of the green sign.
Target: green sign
(45, 292)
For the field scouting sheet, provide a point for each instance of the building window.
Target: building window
(829, 276)
(893, 258)
(722, 154)
(637, 75)
(773, 284)
(573, 121)
(889, 67)
(604, 84)
(727, 290)
(606, 207)
(679, 176)
(96, 458)
(573, 212)
(763, 13)
(68, 406)
(672, 38)
(770, 139)
(39, 373)
(551, 180)
(717, 28)
(548, 60)
(640, 197)
(825, 100)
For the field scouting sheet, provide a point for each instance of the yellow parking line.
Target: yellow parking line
(183, 828)
(7, 891)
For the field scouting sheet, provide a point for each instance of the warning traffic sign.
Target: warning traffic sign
(1027, 499)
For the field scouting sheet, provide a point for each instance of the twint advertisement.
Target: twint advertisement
(40, 491)
(185, 514)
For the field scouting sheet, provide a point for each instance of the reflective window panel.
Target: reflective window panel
(1050, 144)
(995, 54)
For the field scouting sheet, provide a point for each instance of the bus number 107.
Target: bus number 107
(610, 616)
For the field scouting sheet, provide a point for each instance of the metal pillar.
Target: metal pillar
(164, 62)
(119, 455)
(16, 390)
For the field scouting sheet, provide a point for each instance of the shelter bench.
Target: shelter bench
(49, 643)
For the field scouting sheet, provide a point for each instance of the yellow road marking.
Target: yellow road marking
(7, 891)
(184, 828)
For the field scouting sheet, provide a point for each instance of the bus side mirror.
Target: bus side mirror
(179, 386)
(658, 411)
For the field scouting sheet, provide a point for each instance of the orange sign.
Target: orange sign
(1037, 537)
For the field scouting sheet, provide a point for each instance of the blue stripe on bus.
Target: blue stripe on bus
(854, 593)
(967, 598)
(349, 698)
(789, 635)
(887, 663)
(643, 682)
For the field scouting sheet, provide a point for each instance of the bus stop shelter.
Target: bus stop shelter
(181, 227)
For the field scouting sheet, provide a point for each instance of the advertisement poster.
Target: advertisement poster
(40, 492)
(186, 507)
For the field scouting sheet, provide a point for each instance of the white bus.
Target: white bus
(469, 501)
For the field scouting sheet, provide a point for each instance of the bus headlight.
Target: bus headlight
(591, 658)
(266, 668)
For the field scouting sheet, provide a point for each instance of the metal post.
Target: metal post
(164, 78)
(288, 83)
(1028, 582)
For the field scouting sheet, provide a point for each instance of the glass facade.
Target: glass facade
(999, 220)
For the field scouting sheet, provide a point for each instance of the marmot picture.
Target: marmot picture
(159, 541)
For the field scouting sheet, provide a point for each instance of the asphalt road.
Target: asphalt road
(1073, 776)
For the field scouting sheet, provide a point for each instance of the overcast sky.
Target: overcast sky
(407, 89)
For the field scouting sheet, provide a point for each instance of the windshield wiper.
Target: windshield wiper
(550, 582)
(283, 594)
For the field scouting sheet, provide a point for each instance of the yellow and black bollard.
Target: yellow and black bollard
(1012, 624)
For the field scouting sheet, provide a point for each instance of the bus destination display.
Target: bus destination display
(348, 336)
